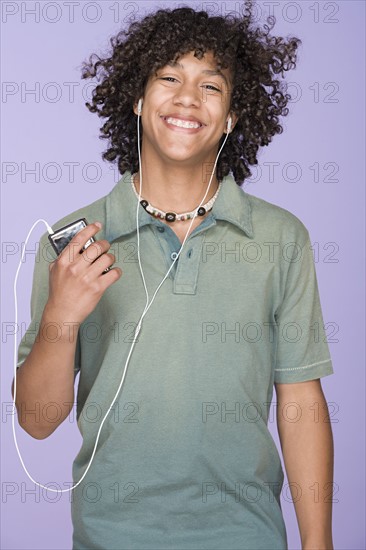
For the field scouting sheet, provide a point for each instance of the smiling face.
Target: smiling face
(185, 110)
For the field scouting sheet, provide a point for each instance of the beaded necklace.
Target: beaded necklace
(173, 216)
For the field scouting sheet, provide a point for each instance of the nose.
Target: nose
(188, 94)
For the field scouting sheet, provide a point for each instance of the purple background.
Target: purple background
(323, 128)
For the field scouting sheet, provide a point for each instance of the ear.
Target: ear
(135, 107)
(234, 120)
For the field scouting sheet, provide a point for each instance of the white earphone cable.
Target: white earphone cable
(138, 327)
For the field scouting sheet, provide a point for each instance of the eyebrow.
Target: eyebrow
(212, 72)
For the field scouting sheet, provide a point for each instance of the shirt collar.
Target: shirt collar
(232, 205)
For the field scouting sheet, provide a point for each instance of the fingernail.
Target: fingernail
(98, 224)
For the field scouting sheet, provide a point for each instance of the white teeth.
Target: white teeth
(182, 123)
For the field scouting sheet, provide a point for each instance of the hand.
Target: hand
(77, 282)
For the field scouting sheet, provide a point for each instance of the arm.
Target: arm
(76, 284)
(47, 376)
(307, 447)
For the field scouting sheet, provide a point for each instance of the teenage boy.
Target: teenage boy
(185, 459)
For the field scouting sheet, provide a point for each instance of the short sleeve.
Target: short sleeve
(302, 350)
(40, 288)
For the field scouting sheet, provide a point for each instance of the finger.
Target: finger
(95, 250)
(104, 278)
(72, 250)
(101, 264)
(110, 277)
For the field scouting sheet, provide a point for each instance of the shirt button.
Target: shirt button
(161, 229)
(173, 255)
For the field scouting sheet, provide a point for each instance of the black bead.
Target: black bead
(201, 211)
(144, 203)
(170, 217)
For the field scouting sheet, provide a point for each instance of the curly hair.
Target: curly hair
(253, 56)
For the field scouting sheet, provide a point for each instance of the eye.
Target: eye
(167, 78)
(213, 88)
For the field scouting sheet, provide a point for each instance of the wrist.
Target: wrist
(324, 543)
(57, 326)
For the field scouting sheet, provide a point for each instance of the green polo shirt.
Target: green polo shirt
(185, 459)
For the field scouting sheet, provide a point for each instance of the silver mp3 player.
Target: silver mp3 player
(61, 238)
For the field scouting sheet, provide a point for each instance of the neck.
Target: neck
(178, 189)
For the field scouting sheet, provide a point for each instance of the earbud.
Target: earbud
(139, 106)
(229, 123)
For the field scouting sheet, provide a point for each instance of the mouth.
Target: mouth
(184, 123)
